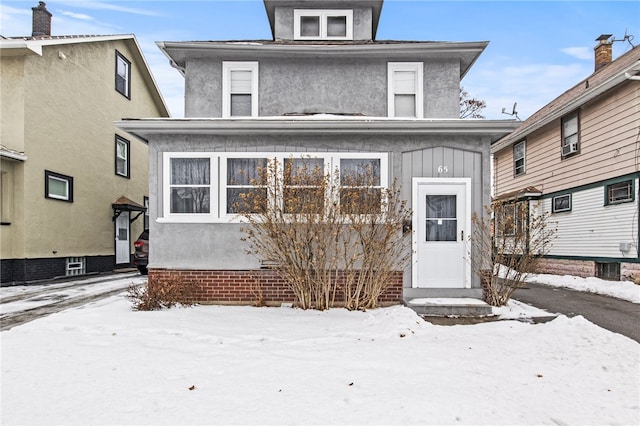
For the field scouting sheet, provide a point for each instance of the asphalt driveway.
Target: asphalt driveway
(613, 314)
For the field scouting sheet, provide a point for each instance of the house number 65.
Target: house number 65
(443, 169)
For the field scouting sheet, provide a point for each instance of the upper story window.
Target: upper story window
(405, 89)
(312, 24)
(239, 89)
(122, 157)
(58, 186)
(570, 134)
(519, 151)
(123, 75)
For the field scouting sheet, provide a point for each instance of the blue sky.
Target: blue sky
(537, 50)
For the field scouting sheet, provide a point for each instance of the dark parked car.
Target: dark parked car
(141, 255)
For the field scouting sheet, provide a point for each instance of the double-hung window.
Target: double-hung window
(58, 186)
(122, 157)
(123, 75)
(239, 89)
(570, 134)
(312, 24)
(303, 180)
(360, 185)
(246, 185)
(405, 90)
(188, 183)
(519, 151)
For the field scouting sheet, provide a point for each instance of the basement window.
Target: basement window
(608, 270)
(75, 266)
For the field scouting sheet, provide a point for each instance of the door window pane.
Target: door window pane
(441, 218)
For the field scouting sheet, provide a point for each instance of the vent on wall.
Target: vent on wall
(75, 266)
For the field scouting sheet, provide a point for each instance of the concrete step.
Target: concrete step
(449, 306)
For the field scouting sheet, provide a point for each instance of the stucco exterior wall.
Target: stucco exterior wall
(362, 23)
(322, 85)
(68, 106)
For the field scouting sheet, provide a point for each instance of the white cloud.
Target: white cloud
(578, 52)
(80, 16)
(100, 5)
(531, 86)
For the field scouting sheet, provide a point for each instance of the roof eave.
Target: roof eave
(150, 127)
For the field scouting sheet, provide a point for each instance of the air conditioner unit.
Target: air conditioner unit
(570, 148)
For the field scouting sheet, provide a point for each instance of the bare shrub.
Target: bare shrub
(333, 239)
(507, 244)
(156, 294)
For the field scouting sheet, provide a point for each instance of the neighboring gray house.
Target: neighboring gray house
(323, 87)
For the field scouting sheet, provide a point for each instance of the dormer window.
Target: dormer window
(312, 24)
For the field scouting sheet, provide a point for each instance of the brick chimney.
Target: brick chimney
(41, 20)
(603, 52)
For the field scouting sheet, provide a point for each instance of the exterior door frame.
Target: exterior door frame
(417, 182)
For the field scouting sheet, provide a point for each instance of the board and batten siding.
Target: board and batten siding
(592, 229)
(609, 131)
(432, 162)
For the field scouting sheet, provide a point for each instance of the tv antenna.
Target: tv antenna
(513, 112)
(627, 38)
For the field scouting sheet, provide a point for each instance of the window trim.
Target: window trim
(218, 183)
(418, 68)
(322, 15)
(563, 137)
(145, 218)
(227, 68)
(58, 176)
(553, 203)
(127, 173)
(524, 159)
(632, 192)
(127, 92)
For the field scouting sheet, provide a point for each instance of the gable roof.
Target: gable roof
(607, 77)
(33, 46)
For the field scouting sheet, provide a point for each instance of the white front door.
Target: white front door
(441, 223)
(122, 239)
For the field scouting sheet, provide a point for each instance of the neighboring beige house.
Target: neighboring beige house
(580, 157)
(72, 184)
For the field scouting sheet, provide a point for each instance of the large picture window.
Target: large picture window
(210, 187)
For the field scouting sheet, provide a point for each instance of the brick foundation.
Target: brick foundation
(252, 287)
(579, 268)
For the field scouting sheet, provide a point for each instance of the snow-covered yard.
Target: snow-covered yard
(106, 364)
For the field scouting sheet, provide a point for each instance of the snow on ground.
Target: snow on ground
(41, 295)
(625, 290)
(106, 364)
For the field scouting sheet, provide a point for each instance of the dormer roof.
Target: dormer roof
(375, 5)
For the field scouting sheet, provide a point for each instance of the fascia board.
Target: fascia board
(148, 127)
(178, 52)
